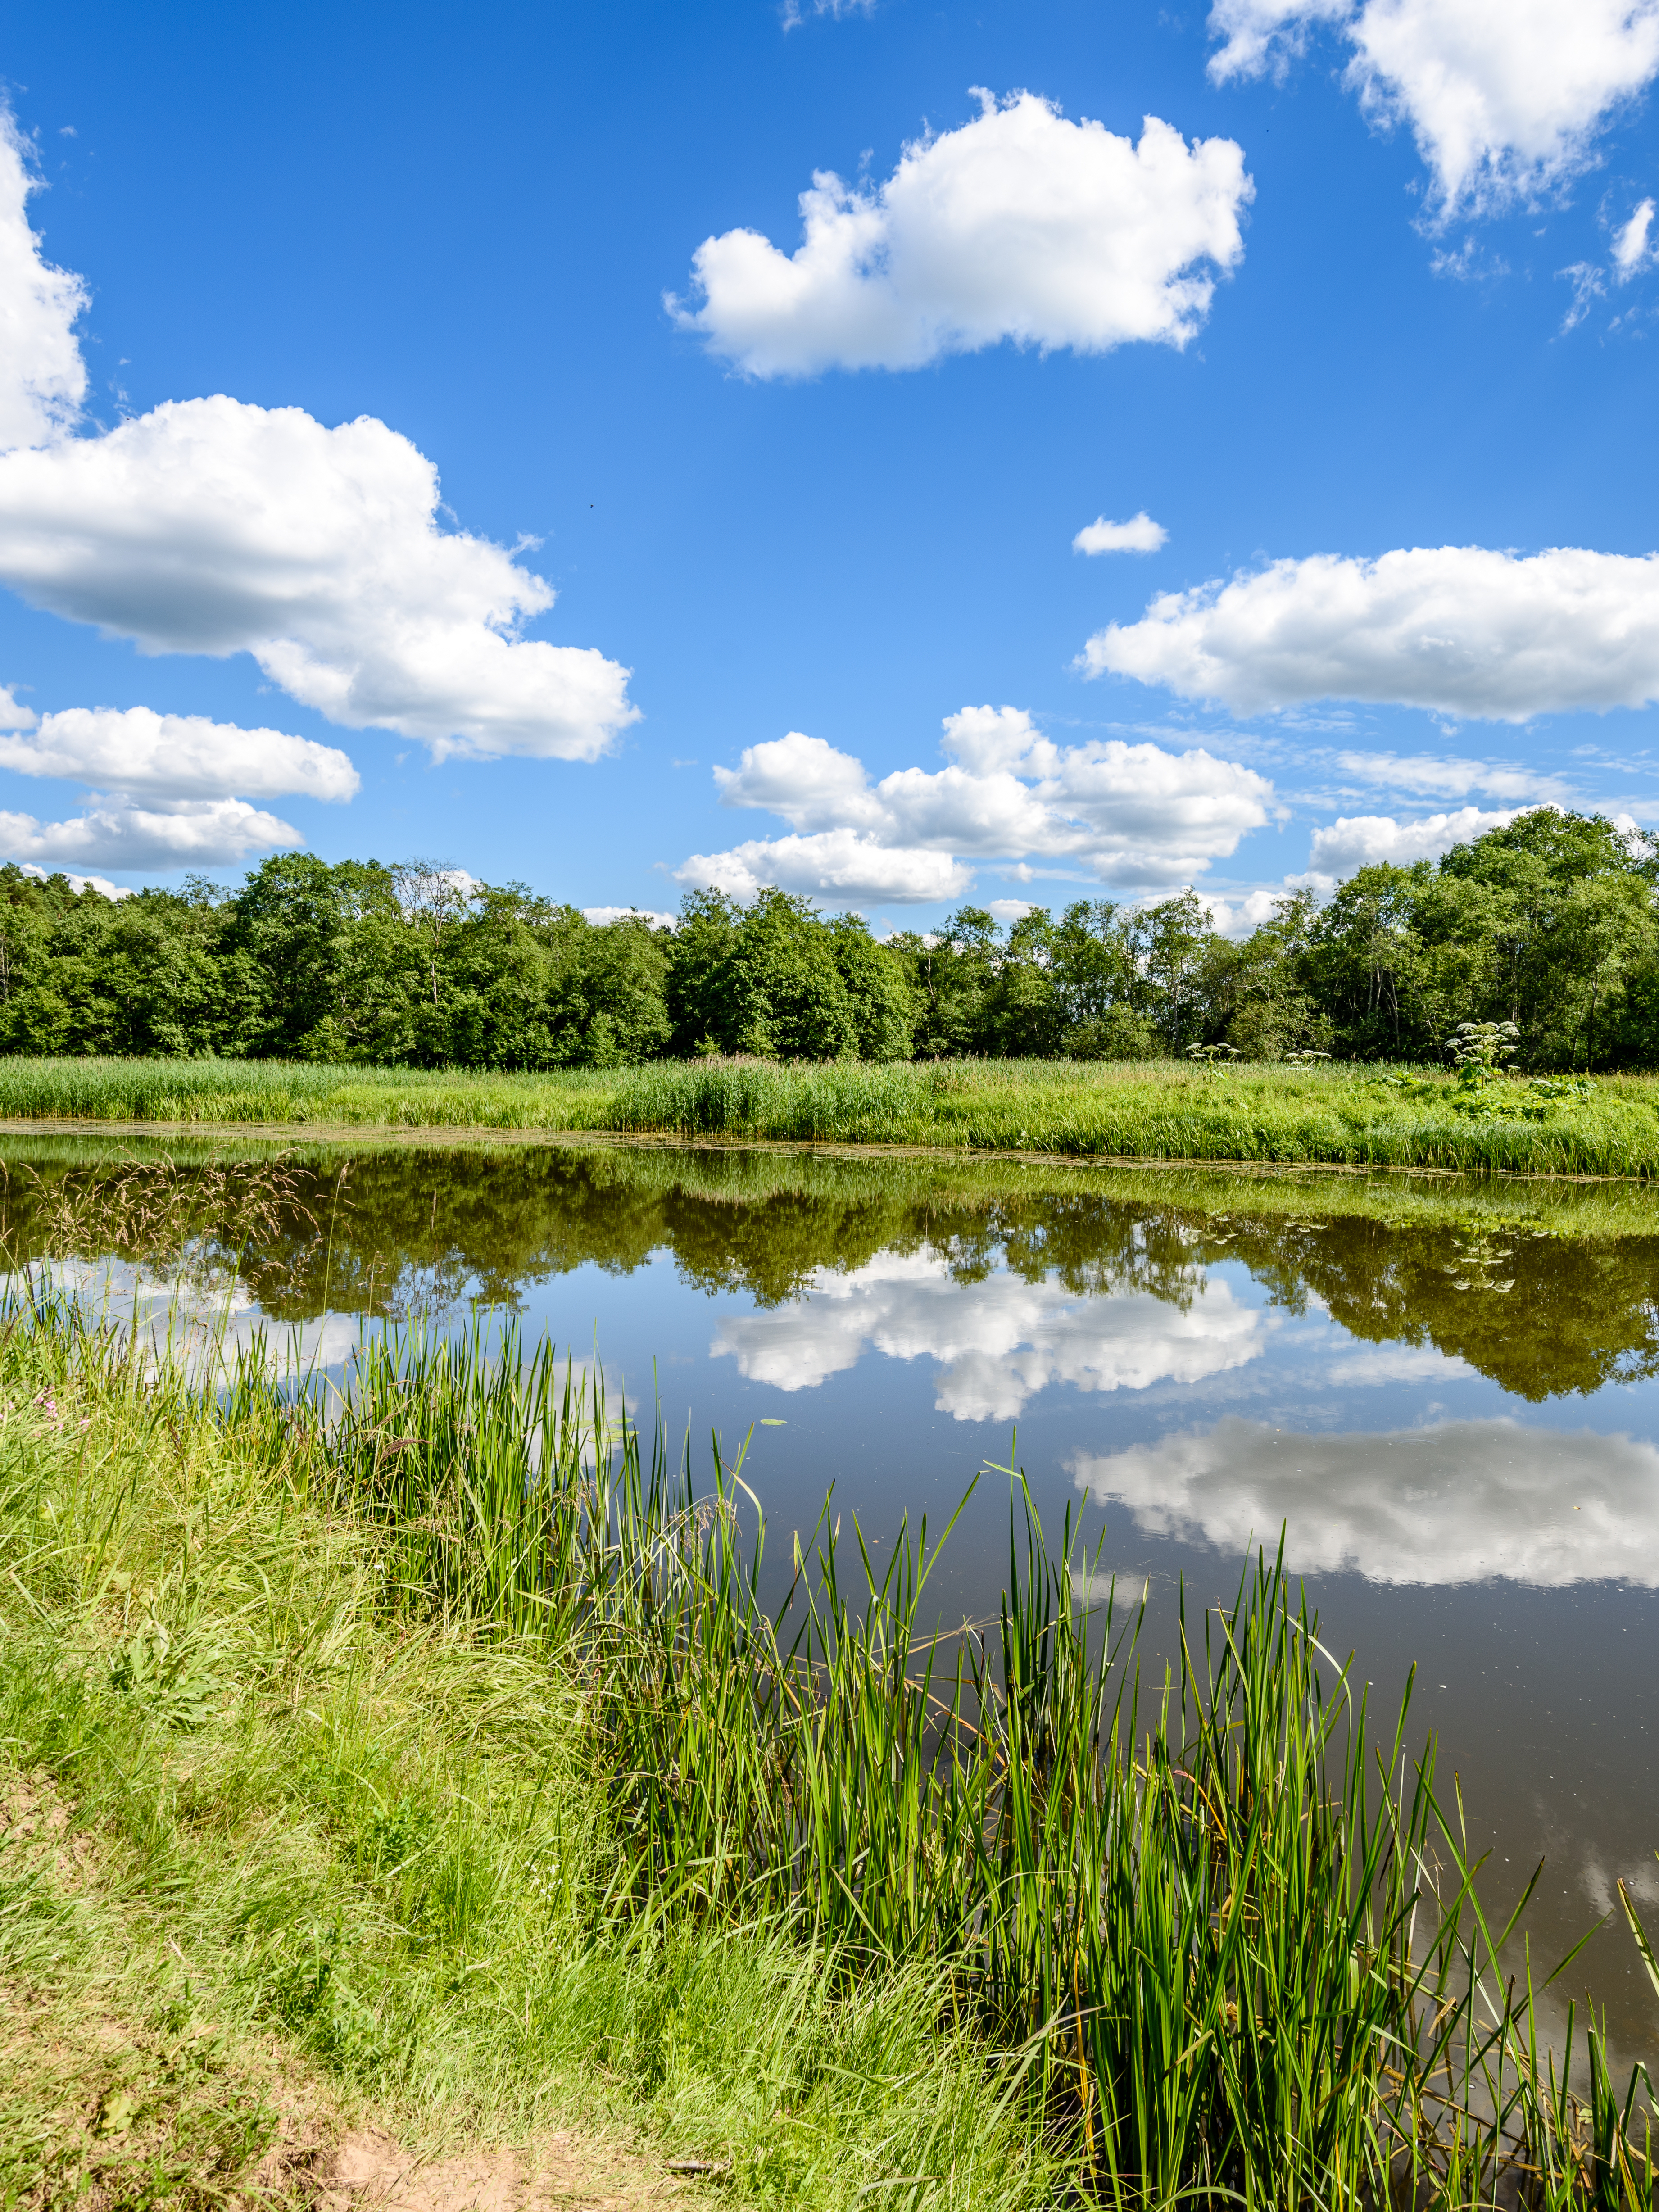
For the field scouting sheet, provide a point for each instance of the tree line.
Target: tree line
(1552, 923)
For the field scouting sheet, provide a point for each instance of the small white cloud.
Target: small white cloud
(1018, 225)
(795, 12)
(1006, 910)
(1457, 629)
(1356, 840)
(599, 916)
(79, 884)
(1259, 36)
(1141, 534)
(1630, 245)
(140, 753)
(1238, 917)
(43, 379)
(1504, 104)
(204, 833)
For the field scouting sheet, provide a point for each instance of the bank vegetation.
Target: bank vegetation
(438, 1737)
(1552, 923)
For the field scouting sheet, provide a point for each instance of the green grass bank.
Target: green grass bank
(1346, 1115)
(436, 1743)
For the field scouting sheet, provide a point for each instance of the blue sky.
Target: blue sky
(1360, 323)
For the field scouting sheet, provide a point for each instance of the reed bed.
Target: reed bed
(1346, 1115)
(1220, 1932)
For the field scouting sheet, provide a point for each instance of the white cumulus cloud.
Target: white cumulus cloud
(1355, 841)
(1128, 813)
(214, 527)
(1630, 245)
(1460, 628)
(1018, 225)
(1506, 98)
(138, 753)
(836, 863)
(204, 833)
(43, 379)
(1141, 534)
(210, 527)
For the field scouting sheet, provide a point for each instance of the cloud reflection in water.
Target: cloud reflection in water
(999, 1339)
(1454, 1502)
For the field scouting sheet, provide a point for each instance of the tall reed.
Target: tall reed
(1225, 1933)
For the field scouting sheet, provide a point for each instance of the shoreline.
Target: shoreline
(438, 1135)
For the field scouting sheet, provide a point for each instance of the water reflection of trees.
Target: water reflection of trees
(388, 1232)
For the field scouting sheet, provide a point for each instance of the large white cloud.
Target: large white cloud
(204, 833)
(1460, 628)
(136, 752)
(215, 527)
(1018, 225)
(1456, 1502)
(43, 379)
(1504, 97)
(1129, 813)
(997, 1342)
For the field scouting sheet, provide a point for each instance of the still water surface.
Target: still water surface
(1446, 1396)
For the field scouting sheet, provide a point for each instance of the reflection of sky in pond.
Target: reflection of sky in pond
(998, 1341)
(1449, 1501)
(204, 1323)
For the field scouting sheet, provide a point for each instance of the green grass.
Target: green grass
(440, 1733)
(1344, 1115)
(312, 1829)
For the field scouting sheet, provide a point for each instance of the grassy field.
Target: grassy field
(431, 1756)
(1346, 1115)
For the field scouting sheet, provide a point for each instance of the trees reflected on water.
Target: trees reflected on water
(840, 1253)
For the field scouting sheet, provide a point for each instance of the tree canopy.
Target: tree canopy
(1552, 923)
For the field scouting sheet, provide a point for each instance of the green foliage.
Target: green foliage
(1550, 925)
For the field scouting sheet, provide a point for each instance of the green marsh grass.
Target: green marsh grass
(1203, 1914)
(1335, 1115)
(443, 1720)
(276, 1828)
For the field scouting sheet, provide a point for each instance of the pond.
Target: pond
(1444, 1393)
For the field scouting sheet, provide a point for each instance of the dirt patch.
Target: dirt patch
(368, 2171)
